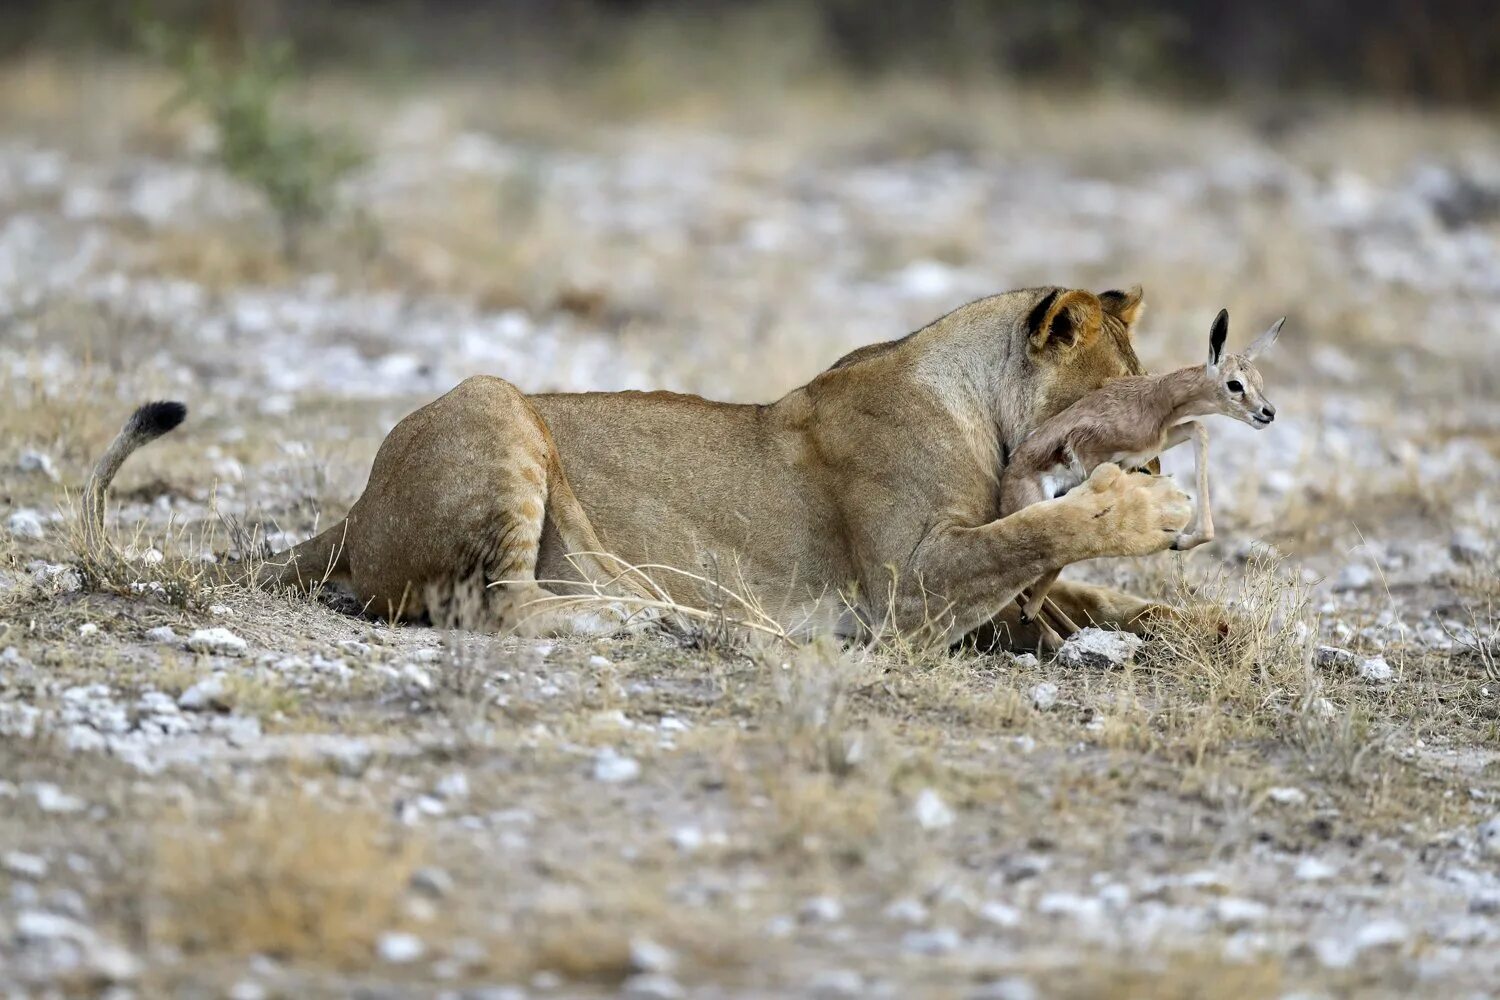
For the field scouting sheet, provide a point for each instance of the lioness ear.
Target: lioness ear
(1063, 319)
(1127, 306)
(1216, 338)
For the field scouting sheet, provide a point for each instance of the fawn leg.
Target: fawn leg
(1201, 530)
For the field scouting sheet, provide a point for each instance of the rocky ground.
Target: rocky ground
(217, 792)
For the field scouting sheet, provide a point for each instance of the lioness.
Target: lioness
(864, 500)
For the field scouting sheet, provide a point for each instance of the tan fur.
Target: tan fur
(1132, 420)
(867, 499)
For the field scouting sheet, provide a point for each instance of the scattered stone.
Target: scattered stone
(834, 984)
(1383, 933)
(453, 786)
(1099, 649)
(162, 633)
(1355, 576)
(1024, 661)
(613, 769)
(217, 641)
(23, 865)
(687, 839)
(51, 799)
(56, 577)
(1468, 547)
(999, 914)
(907, 911)
(88, 630)
(939, 941)
(26, 523)
(400, 948)
(1286, 796)
(1235, 912)
(600, 661)
(419, 678)
(1314, 870)
(652, 986)
(1334, 658)
(1489, 837)
(353, 647)
(931, 811)
(432, 881)
(208, 695)
(1009, 988)
(35, 462)
(820, 910)
(1375, 670)
(647, 955)
(1044, 696)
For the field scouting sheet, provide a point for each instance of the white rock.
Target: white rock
(613, 769)
(1355, 576)
(23, 865)
(1000, 914)
(647, 955)
(1084, 909)
(820, 910)
(25, 523)
(162, 633)
(1314, 870)
(37, 463)
(431, 881)
(1381, 933)
(61, 579)
(88, 630)
(51, 799)
(600, 661)
(218, 641)
(652, 986)
(1287, 796)
(1024, 661)
(209, 694)
(1044, 696)
(835, 984)
(400, 948)
(1468, 547)
(939, 941)
(687, 839)
(220, 610)
(1489, 837)
(1375, 670)
(906, 911)
(1234, 911)
(1334, 658)
(1009, 988)
(453, 786)
(931, 812)
(1099, 649)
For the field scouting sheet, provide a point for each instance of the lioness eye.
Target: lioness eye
(1234, 386)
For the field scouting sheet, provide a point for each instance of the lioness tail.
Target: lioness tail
(145, 425)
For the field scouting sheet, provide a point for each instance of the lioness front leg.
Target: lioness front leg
(975, 572)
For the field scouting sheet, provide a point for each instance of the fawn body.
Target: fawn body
(1132, 420)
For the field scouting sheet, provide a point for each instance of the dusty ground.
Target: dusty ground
(340, 806)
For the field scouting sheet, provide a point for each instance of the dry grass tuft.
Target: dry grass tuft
(287, 876)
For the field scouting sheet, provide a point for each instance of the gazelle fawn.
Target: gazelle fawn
(1131, 421)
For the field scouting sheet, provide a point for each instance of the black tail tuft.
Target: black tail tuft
(155, 419)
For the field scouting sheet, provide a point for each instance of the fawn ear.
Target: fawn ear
(1127, 306)
(1265, 340)
(1063, 320)
(1216, 338)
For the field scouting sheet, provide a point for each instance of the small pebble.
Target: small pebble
(613, 769)
(931, 811)
(217, 641)
(25, 523)
(400, 948)
(1044, 696)
(1375, 670)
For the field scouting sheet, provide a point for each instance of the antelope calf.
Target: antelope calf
(1130, 421)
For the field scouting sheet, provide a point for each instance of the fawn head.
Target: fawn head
(1239, 390)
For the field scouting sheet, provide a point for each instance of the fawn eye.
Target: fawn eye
(1233, 385)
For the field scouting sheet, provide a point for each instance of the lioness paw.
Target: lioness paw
(1135, 514)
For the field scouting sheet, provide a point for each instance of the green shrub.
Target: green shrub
(295, 167)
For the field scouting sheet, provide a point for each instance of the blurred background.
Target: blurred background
(315, 215)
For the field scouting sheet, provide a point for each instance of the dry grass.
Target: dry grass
(291, 876)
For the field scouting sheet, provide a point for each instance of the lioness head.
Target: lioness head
(1075, 342)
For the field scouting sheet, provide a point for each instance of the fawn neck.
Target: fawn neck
(1188, 392)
